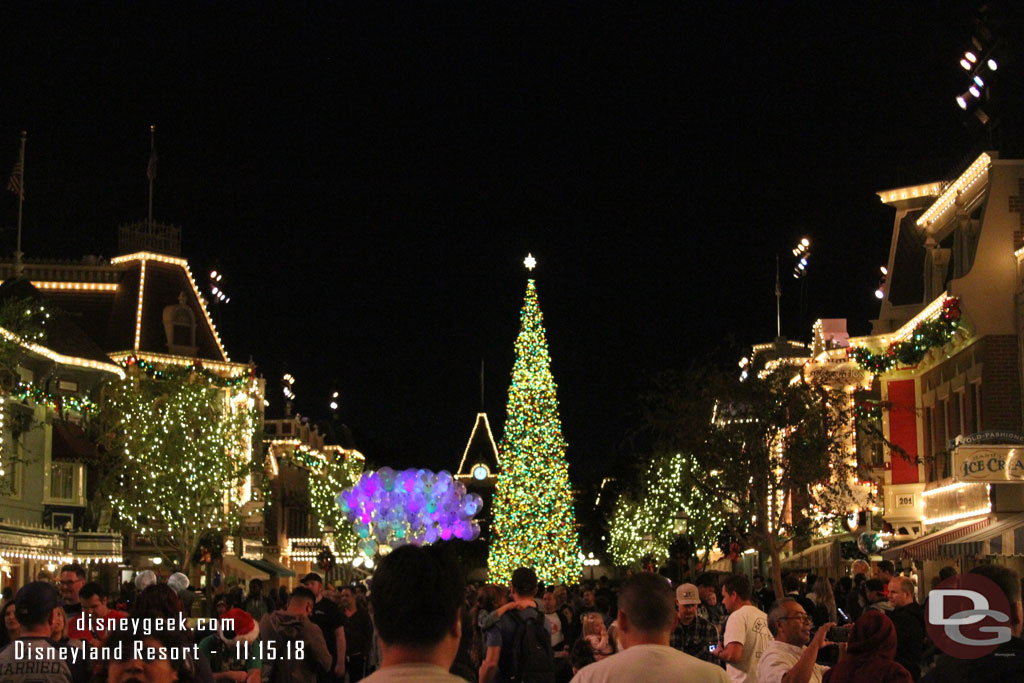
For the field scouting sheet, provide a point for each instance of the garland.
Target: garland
(175, 371)
(927, 335)
(58, 402)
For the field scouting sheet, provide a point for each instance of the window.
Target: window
(979, 415)
(66, 483)
(928, 451)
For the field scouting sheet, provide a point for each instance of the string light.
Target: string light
(968, 178)
(534, 522)
(110, 287)
(910, 349)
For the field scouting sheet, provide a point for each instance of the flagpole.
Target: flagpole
(778, 301)
(150, 171)
(19, 267)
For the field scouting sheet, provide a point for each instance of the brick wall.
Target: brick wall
(1000, 384)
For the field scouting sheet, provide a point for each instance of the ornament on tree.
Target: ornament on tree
(389, 508)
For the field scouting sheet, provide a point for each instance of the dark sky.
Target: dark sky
(369, 181)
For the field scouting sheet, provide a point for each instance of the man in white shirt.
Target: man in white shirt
(647, 615)
(789, 658)
(746, 631)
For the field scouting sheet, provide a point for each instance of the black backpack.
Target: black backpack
(532, 658)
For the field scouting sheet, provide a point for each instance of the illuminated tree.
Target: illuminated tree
(775, 451)
(182, 443)
(341, 471)
(644, 522)
(534, 523)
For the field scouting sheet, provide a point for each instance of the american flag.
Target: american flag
(14, 184)
(151, 167)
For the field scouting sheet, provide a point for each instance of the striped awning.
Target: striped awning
(927, 547)
(821, 556)
(1002, 537)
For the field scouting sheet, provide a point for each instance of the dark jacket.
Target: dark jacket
(281, 627)
(910, 636)
(1004, 665)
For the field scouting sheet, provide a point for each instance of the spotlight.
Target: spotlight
(879, 293)
(971, 57)
(965, 64)
(961, 102)
(885, 271)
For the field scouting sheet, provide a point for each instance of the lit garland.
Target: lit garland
(339, 472)
(926, 335)
(176, 372)
(185, 450)
(643, 524)
(59, 402)
(534, 522)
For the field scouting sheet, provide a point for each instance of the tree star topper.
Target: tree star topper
(530, 262)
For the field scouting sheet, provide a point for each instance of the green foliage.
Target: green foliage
(180, 452)
(341, 471)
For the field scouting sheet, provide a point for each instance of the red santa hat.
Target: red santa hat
(246, 630)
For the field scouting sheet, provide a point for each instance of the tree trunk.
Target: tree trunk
(773, 550)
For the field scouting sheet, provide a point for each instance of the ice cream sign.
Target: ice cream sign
(989, 463)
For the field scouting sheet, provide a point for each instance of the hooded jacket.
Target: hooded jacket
(282, 627)
(910, 636)
(870, 654)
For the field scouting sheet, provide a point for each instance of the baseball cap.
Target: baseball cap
(312, 576)
(35, 601)
(687, 594)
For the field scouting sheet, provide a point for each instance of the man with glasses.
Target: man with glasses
(789, 657)
(72, 578)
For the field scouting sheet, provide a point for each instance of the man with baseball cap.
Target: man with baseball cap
(328, 617)
(37, 607)
(693, 634)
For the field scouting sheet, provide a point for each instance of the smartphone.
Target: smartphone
(838, 634)
(711, 647)
(844, 615)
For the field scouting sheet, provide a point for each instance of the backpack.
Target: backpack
(532, 658)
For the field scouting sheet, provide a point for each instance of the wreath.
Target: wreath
(325, 560)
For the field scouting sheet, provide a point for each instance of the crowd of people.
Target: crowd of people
(419, 621)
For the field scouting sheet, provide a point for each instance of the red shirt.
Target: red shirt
(77, 628)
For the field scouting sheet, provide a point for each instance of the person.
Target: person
(1006, 662)
(416, 604)
(646, 617)
(36, 606)
(908, 619)
(139, 663)
(854, 608)
(791, 586)
(746, 633)
(791, 656)
(292, 630)
(503, 657)
(596, 634)
(327, 616)
(179, 584)
(763, 597)
(884, 571)
(10, 627)
(233, 655)
(145, 579)
(489, 601)
(557, 624)
(874, 596)
(94, 605)
(946, 572)
(693, 634)
(72, 578)
(824, 603)
(709, 607)
(255, 604)
(870, 654)
(581, 655)
(358, 633)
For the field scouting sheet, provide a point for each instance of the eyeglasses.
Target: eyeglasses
(71, 582)
(801, 617)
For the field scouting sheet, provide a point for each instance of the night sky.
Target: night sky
(369, 182)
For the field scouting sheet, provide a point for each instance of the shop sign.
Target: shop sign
(838, 376)
(989, 463)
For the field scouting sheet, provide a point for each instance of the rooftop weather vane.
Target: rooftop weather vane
(530, 262)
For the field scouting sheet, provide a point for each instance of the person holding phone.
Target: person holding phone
(693, 634)
(791, 657)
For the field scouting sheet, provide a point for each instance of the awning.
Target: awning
(240, 568)
(821, 556)
(722, 564)
(927, 547)
(1001, 537)
(270, 567)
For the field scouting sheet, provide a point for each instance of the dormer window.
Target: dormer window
(180, 328)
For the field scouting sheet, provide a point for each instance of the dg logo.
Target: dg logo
(967, 616)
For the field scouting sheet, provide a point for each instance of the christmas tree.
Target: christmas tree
(534, 525)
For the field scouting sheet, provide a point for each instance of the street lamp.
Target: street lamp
(590, 561)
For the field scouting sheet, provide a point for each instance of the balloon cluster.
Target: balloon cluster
(870, 543)
(389, 508)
